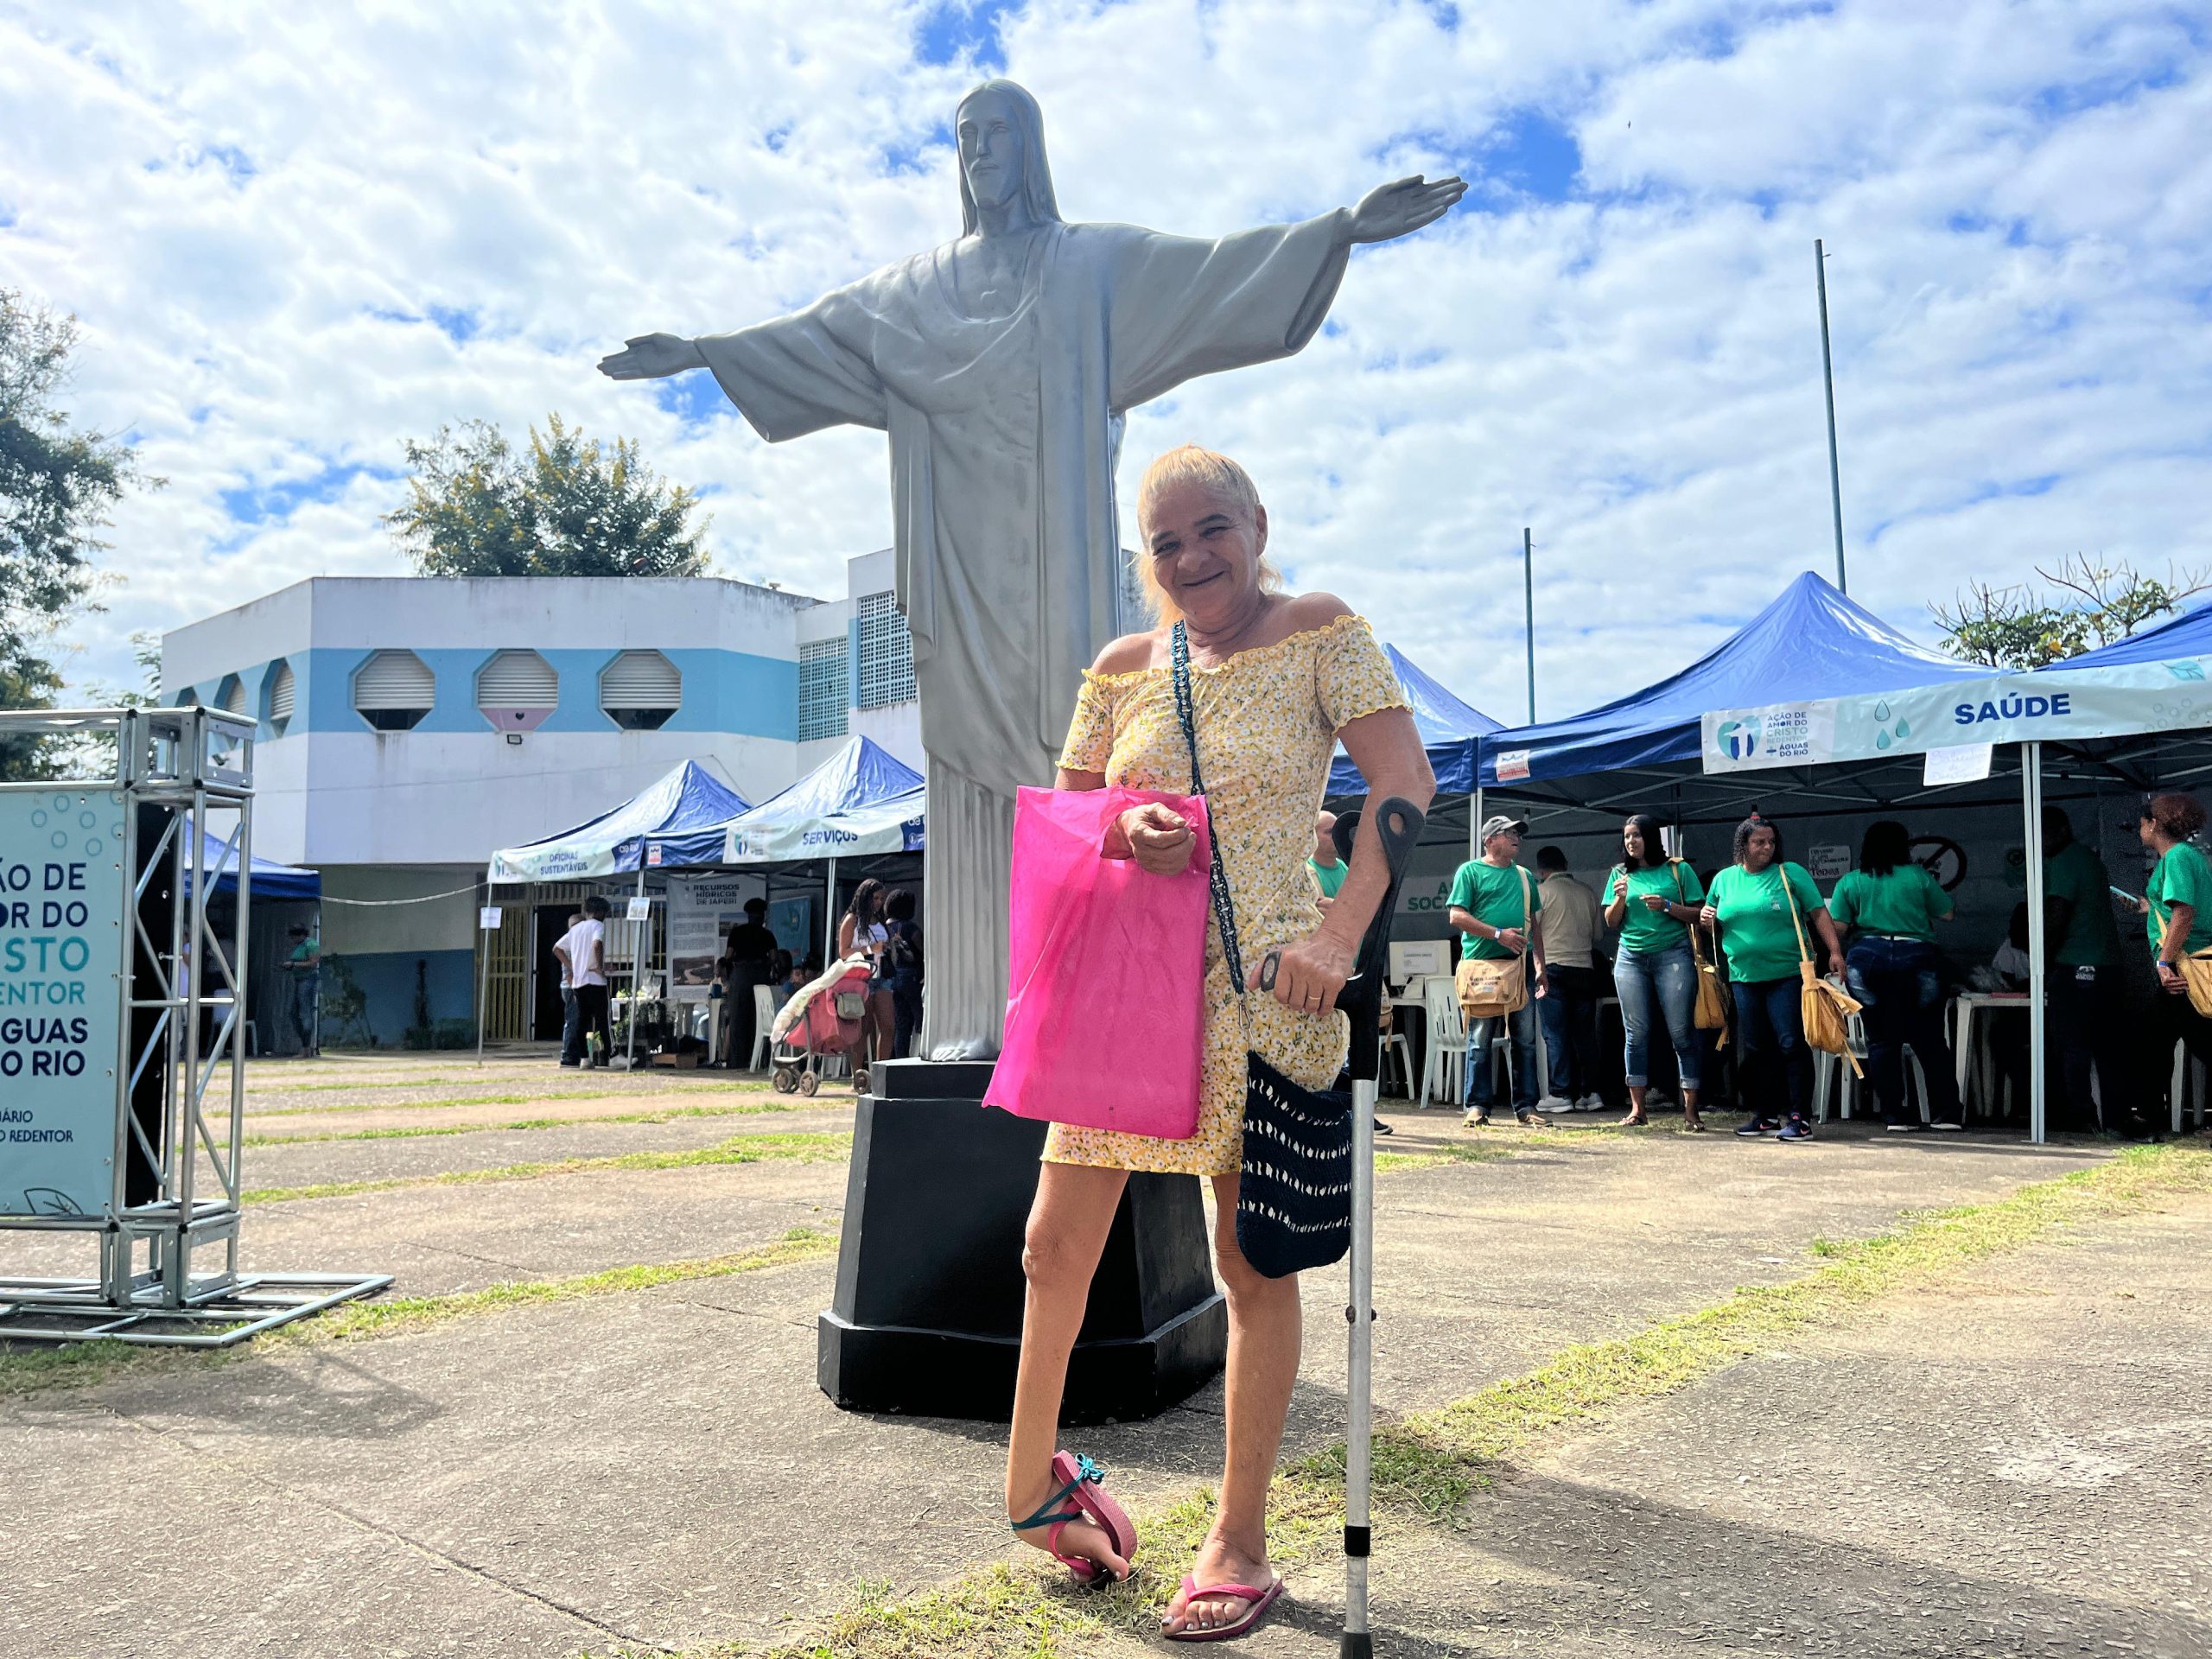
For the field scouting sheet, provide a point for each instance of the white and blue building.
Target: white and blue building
(410, 727)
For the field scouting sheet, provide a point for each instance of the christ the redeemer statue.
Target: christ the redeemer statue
(1001, 366)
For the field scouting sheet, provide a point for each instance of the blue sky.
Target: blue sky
(297, 237)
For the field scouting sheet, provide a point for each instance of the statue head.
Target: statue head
(1001, 136)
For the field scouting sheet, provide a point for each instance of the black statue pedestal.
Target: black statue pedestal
(927, 1316)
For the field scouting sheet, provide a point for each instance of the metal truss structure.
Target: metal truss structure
(167, 1233)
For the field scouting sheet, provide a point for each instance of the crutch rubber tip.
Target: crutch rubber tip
(1357, 1539)
(1358, 1646)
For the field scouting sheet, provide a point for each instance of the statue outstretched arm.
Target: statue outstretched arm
(651, 357)
(1402, 206)
(787, 376)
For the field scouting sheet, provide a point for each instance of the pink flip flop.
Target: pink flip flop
(1083, 1482)
(1257, 1603)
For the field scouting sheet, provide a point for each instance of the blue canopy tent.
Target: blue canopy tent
(863, 801)
(1811, 642)
(271, 880)
(680, 815)
(1451, 731)
(2189, 634)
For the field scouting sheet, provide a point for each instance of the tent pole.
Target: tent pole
(829, 921)
(1475, 822)
(639, 932)
(2031, 808)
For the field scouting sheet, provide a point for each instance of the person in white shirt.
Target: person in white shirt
(582, 953)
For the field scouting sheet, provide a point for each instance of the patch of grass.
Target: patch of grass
(737, 1149)
(541, 1095)
(358, 1321)
(1428, 1464)
(663, 1115)
(32, 1369)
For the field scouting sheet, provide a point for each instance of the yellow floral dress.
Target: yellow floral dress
(1267, 720)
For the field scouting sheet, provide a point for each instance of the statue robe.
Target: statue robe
(1004, 432)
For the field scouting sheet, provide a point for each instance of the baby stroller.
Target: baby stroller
(824, 1016)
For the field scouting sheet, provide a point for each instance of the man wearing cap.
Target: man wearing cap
(1497, 906)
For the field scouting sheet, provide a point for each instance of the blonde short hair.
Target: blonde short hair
(1190, 464)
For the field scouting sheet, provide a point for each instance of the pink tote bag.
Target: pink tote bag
(1105, 1000)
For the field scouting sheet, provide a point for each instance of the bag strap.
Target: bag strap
(1804, 951)
(1682, 897)
(1225, 911)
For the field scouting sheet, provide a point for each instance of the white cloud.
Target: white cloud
(246, 205)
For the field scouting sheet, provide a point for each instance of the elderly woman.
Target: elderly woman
(1277, 680)
(1763, 905)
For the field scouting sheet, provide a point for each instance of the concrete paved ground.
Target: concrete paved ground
(658, 1468)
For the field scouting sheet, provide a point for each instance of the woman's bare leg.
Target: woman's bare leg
(1068, 1226)
(1264, 1340)
(1635, 1105)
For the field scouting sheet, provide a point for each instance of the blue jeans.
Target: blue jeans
(1519, 1030)
(1773, 1066)
(572, 1042)
(1903, 990)
(1652, 986)
(307, 996)
(1568, 1014)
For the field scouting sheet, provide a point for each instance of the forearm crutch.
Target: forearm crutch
(1398, 825)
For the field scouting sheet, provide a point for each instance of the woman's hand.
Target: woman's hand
(1655, 901)
(2169, 978)
(1157, 837)
(1311, 971)
(2143, 903)
(1707, 917)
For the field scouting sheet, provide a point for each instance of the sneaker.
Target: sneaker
(1795, 1128)
(1943, 1125)
(1478, 1119)
(1533, 1120)
(1590, 1103)
(1755, 1125)
(1903, 1128)
(1554, 1103)
(1380, 1128)
(569, 1065)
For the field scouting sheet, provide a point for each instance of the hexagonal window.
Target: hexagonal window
(279, 690)
(393, 690)
(517, 690)
(639, 689)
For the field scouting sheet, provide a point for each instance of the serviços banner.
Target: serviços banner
(2172, 696)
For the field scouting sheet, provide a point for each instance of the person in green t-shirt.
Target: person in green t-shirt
(1496, 905)
(1324, 867)
(2085, 985)
(303, 965)
(2177, 914)
(1894, 970)
(1652, 899)
(1750, 903)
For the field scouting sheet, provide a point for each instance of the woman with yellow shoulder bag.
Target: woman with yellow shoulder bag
(1760, 903)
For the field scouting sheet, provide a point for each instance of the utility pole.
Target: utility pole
(1827, 377)
(1528, 612)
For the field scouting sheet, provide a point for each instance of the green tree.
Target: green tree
(569, 507)
(57, 486)
(2081, 605)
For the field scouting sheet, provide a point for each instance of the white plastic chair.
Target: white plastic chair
(2185, 1073)
(764, 1016)
(1827, 1068)
(1396, 1043)
(1447, 1040)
